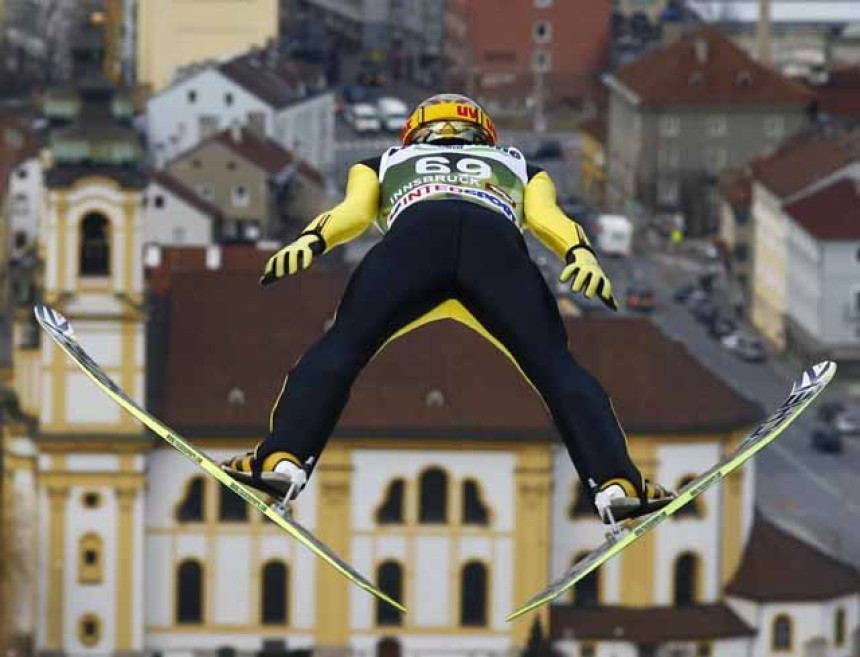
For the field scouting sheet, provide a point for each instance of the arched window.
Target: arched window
(781, 633)
(390, 512)
(839, 628)
(582, 504)
(433, 496)
(695, 508)
(474, 510)
(191, 507)
(686, 579)
(231, 507)
(275, 593)
(90, 559)
(473, 595)
(390, 578)
(586, 592)
(189, 592)
(95, 245)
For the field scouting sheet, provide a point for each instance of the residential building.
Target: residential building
(172, 34)
(838, 97)
(801, 165)
(764, 612)
(800, 36)
(177, 215)
(738, 233)
(592, 163)
(254, 184)
(278, 98)
(544, 54)
(25, 193)
(680, 116)
(823, 246)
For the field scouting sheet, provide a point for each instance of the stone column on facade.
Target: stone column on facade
(533, 484)
(334, 529)
(125, 581)
(638, 562)
(58, 496)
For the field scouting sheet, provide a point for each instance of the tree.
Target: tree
(538, 645)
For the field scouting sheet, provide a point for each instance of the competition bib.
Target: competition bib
(492, 177)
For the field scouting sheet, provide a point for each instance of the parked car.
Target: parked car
(641, 297)
(683, 293)
(704, 309)
(721, 327)
(847, 422)
(745, 347)
(350, 96)
(826, 439)
(362, 117)
(548, 149)
(393, 113)
(828, 410)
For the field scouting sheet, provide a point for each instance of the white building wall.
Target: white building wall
(26, 198)
(804, 279)
(307, 129)
(176, 222)
(173, 120)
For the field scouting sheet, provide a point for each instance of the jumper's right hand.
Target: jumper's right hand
(294, 257)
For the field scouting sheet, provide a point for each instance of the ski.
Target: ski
(61, 331)
(803, 391)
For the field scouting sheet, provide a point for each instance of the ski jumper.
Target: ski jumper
(452, 218)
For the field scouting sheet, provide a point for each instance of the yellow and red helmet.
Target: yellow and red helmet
(448, 116)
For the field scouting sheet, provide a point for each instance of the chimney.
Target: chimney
(700, 47)
(762, 35)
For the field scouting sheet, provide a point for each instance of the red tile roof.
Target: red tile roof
(261, 151)
(831, 213)
(707, 69)
(805, 158)
(185, 193)
(839, 97)
(226, 332)
(777, 566)
(647, 625)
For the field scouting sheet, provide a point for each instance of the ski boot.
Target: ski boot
(280, 475)
(618, 499)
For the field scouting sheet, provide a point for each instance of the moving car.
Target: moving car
(745, 347)
(363, 117)
(641, 297)
(392, 113)
(826, 439)
(614, 234)
(704, 309)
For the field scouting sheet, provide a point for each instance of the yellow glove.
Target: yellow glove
(292, 258)
(588, 277)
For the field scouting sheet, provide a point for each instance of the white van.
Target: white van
(614, 234)
(392, 113)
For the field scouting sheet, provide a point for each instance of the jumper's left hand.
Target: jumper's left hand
(588, 277)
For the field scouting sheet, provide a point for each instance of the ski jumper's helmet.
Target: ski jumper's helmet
(448, 118)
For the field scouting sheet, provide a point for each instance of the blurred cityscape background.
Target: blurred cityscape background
(153, 154)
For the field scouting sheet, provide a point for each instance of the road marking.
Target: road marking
(816, 478)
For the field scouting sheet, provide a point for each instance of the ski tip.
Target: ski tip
(52, 320)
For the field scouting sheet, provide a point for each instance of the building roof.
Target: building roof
(185, 193)
(802, 573)
(647, 625)
(273, 78)
(223, 330)
(830, 213)
(839, 96)
(804, 158)
(260, 151)
(595, 128)
(705, 69)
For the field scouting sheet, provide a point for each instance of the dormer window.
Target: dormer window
(743, 79)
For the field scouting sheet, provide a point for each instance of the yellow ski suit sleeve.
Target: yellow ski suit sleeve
(351, 217)
(546, 220)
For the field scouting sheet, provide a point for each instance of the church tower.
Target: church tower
(88, 579)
